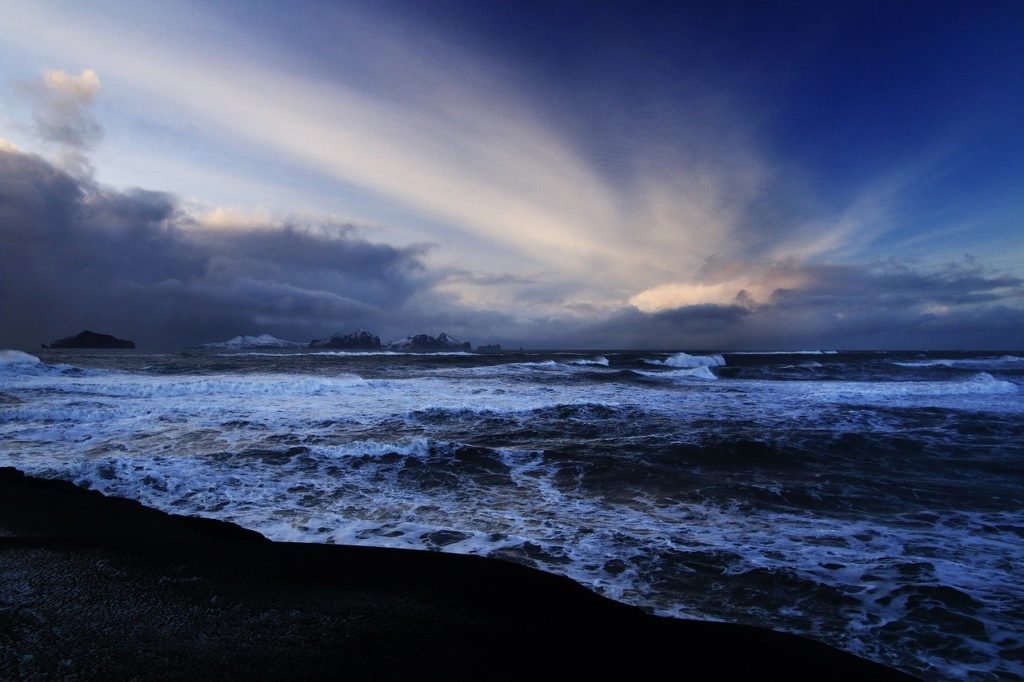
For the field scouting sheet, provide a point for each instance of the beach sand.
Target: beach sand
(94, 587)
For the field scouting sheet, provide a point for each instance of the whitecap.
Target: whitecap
(16, 359)
(597, 360)
(1002, 362)
(687, 361)
(687, 373)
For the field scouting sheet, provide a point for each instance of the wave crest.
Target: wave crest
(16, 359)
(687, 361)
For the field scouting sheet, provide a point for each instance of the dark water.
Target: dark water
(874, 501)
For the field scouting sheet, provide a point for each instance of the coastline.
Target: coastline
(105, 587)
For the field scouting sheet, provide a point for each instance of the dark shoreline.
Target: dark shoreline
(94, 587)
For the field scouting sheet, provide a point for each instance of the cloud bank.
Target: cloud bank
(134, 263)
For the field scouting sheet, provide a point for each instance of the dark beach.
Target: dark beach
(96, 587)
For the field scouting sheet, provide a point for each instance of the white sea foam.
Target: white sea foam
(518, 367)
(1002, 362)
(353, 493)
(991, 383)
(597, 360)
(973, 392)
(688, 373)
(16, 359)
(328, 458)
(269, 386)
(687, 361)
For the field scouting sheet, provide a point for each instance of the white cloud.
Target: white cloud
(61, 110)
(445, 136)
(73, 90)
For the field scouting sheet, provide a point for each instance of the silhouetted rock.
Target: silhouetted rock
(357, 340)
(425, 342)
(88, 339)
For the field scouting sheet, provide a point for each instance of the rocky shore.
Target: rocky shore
(103, 588)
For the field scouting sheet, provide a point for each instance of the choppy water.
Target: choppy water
(874, 501)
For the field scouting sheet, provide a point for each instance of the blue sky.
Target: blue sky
(589, 174)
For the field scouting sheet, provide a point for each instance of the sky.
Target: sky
(734, 175)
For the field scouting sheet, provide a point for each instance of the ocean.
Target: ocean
(871, 500)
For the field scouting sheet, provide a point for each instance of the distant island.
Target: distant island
(364, 340)
(424, 342)
(357, 340)
(89, 339)
(261, 341)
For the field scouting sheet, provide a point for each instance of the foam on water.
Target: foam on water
(918, 392)
(17, 360)
(687, 361)
(430, 494)
(269, 386)
(1002, 362)
(597, 360)
(691, 373)
(880, 516)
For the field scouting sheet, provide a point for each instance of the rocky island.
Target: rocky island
(424, 342)
(364, 340)
(357, 340)
(89, 339)
(261, 341)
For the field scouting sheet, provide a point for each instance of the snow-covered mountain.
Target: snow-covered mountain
(261, 341)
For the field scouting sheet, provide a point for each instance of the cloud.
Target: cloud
(430, 128)
(894, 286)
(875, 305)
(674, 230)
(77, 256)
(62, 116)
(135, 263)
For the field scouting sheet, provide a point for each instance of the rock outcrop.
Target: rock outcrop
(357, 340)
(424, 342)
(88, 339)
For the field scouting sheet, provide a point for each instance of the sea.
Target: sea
(870, 500)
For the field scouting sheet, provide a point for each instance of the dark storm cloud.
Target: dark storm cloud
(696, 326)
(134, 264)
(893, 285)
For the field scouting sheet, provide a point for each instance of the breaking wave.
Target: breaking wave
(17, 360)
(687, 361)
